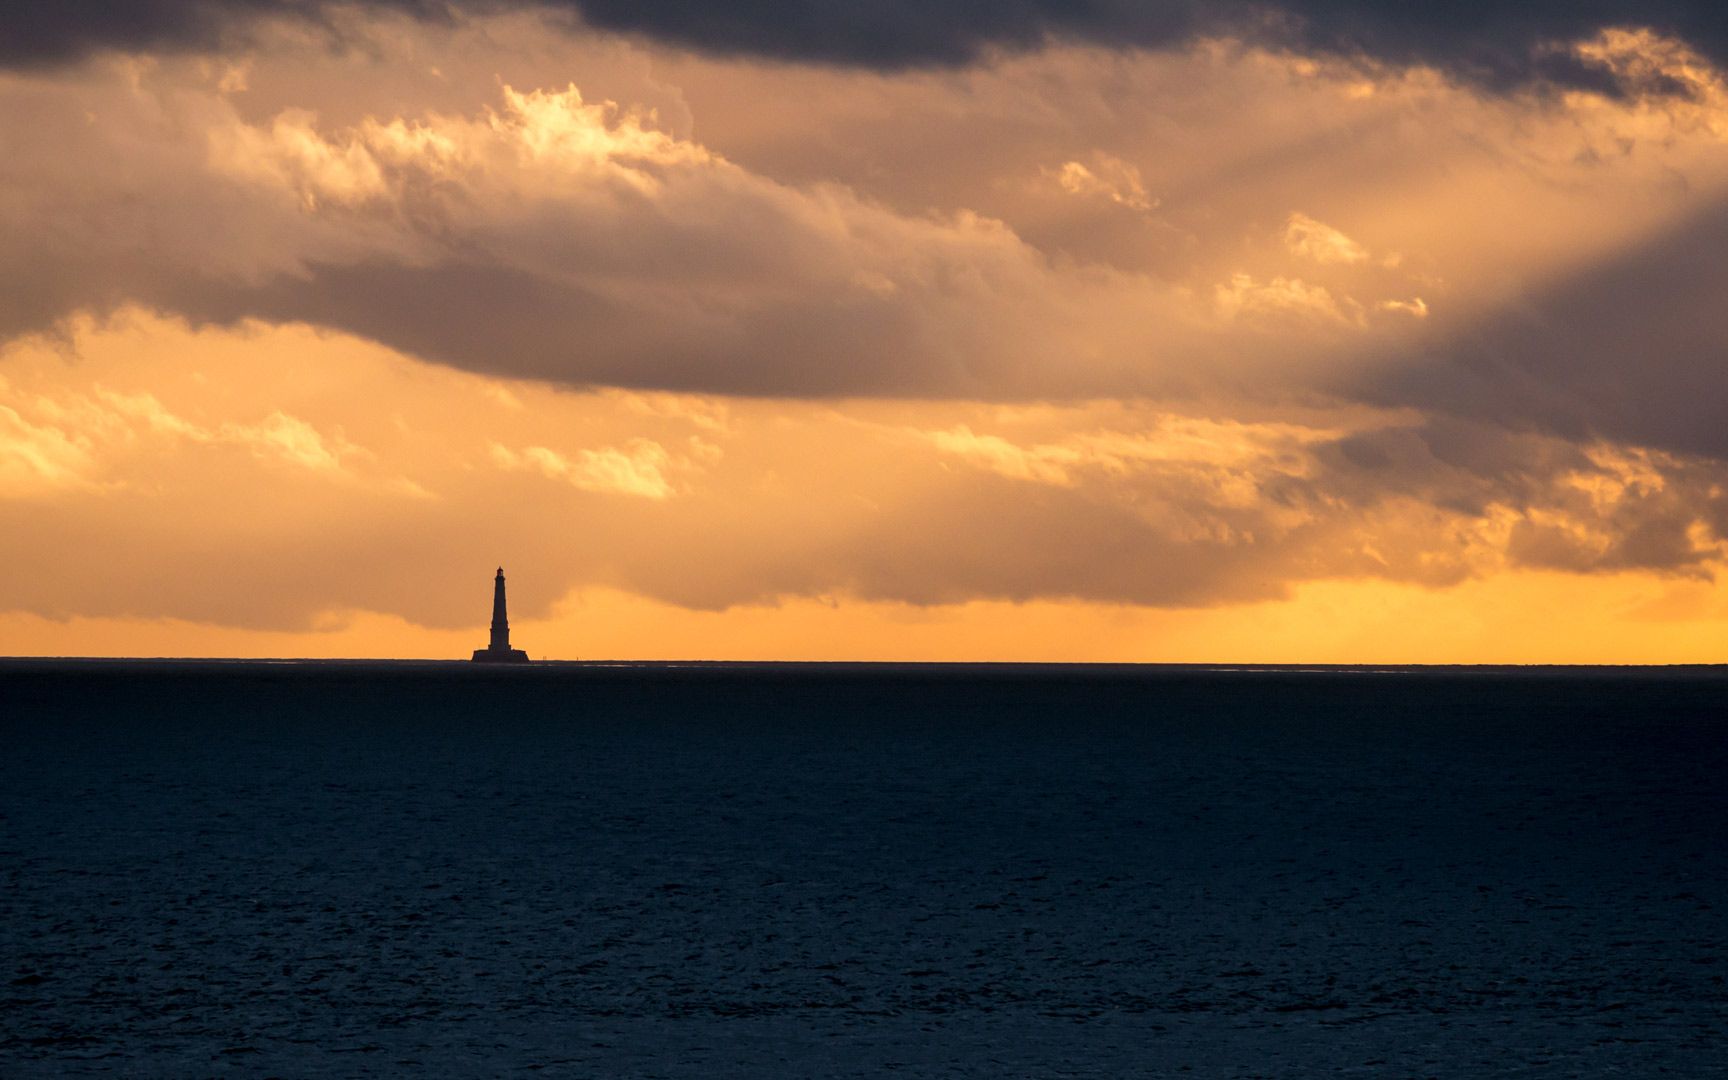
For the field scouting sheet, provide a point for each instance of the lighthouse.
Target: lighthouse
(498, 651)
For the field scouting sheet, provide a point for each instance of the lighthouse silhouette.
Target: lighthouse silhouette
(498, 651)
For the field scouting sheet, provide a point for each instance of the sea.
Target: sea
(348, 869)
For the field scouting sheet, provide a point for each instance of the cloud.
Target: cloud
(228, 517)
(549, 231)
(1415, 307)
(299, 331)
(1481, 41)
(1627, 350)
(1283, 302)
(1223, 452)
(1044, 464)
(815, 353)
(1489, 43)
(556, 237)
(37, 459)
(278, 436)
(1109, 177)
(1316, 240)
(639, 469)
(291, 439)
(553, 232)
(64, 440)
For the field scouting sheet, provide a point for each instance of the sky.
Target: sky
(1321, 331)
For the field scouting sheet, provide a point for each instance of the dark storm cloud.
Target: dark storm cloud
(1631, 350)
(38, 33)
(1648, 521)
(1497, 43)
(500, 320)
(1488, 42)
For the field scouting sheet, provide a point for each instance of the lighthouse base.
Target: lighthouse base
(500, 656)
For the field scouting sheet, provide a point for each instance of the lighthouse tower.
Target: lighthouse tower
(499, 650)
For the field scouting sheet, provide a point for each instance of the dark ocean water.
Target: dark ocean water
(351, 870)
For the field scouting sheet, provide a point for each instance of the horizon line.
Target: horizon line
(1218, 665)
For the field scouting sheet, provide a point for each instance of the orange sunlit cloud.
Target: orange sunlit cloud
(1205, 353)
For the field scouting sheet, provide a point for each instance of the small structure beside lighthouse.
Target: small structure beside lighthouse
(499, 651)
